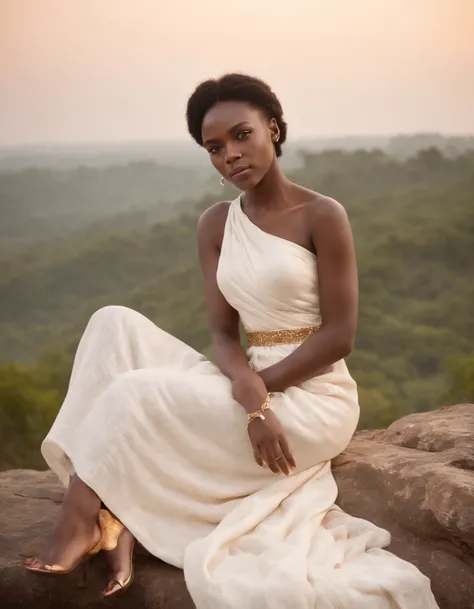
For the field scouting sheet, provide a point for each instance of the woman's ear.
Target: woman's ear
(274, 129)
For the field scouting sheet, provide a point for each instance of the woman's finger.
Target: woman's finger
(259, 458)
(285, 447)
(269, 456)
(280, 458)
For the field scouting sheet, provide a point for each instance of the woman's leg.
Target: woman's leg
(76, 531)
(117, 340)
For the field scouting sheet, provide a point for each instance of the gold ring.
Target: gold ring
(280, 457)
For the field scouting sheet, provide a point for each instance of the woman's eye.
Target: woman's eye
(214, 150)
(243, 135)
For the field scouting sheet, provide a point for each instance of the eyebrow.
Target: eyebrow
(233, 128)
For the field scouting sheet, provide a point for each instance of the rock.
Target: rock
(29, 502)
(415, 479)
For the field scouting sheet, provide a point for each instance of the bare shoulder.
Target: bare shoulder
(325, 210)
(328, 223)
(211, 223)
(216, 213)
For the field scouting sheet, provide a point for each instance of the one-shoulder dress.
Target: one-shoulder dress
(152, 427)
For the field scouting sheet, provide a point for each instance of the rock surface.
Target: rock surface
(415, 479)
(29, 501)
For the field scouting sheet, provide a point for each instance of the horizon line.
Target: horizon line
(180, 140)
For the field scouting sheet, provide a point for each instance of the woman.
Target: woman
(225, 470)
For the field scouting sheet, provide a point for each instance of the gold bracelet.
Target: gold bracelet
(258, 414)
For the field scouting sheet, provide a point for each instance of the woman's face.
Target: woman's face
(240, 142)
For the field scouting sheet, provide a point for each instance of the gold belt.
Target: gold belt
(271, 338)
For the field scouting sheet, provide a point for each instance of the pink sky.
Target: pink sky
(108, 70)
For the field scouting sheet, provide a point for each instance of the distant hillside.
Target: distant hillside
(413, 224)
(43, 204)
(51, 192)
(174, 153)
(401, 147)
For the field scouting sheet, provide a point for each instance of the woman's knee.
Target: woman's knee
(110, 315)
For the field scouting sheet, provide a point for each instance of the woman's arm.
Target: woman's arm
(267, 436)
(338, 294)
(223, 319)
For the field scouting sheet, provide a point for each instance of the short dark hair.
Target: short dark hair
(234, 87)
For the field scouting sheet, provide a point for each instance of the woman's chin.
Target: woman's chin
(246, 184)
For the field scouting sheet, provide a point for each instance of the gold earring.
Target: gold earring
(276, 138)
(222, 182)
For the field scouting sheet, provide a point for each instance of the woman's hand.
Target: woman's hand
(270, 445)
(267, 437)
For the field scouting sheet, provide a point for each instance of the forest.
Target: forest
(413, 224)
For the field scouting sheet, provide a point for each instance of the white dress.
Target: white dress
(151, 426)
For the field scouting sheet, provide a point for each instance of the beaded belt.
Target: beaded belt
(271, 338)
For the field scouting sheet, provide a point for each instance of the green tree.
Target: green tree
(460, 379)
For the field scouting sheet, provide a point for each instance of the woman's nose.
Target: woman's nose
(232, 153)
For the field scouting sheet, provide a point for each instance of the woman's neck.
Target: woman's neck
(272, 192)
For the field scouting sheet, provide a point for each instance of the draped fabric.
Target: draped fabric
(151, 426)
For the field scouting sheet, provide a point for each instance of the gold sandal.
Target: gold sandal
(115, 586)
(38, 566)
(110, 529)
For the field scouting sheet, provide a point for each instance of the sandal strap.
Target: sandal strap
(109, 589)
(115, 582)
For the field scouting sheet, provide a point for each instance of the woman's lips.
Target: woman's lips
(239, 174)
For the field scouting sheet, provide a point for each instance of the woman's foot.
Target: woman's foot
(76, 533)
(72, 538)
(120, 562)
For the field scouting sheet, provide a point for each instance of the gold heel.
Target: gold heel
(111, 529)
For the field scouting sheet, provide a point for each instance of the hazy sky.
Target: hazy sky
(108, 70)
